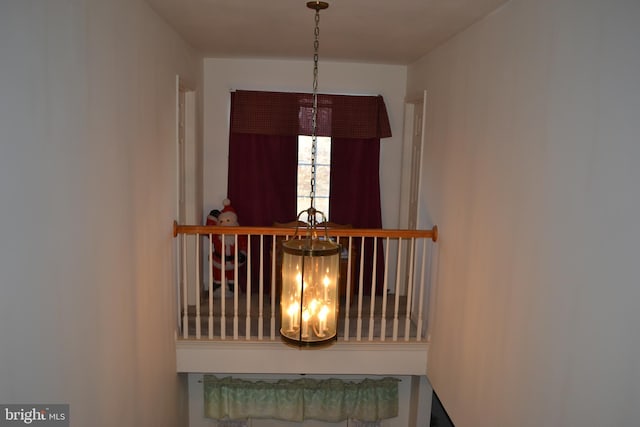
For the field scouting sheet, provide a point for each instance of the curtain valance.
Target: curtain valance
(330, 400)
(287, 113)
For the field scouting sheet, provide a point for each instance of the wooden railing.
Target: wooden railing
(393, 307)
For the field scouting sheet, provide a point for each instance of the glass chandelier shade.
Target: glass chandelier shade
(309, 300)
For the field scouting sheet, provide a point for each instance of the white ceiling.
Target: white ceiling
(374, 31)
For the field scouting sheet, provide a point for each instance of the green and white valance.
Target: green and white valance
(330, 400)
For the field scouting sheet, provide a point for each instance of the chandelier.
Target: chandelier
(309, 298)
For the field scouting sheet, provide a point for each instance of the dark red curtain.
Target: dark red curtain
(355, 197)
(262, 172)
(262, 177)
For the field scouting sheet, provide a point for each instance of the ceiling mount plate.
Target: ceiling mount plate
(317, 5)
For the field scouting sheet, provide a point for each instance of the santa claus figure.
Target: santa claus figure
(223, 255)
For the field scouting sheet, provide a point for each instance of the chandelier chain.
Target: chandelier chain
(314, 110)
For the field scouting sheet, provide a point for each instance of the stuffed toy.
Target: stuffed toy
(227, 217)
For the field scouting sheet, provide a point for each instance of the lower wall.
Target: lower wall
(405, 417)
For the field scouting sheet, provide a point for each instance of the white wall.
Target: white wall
(530, 171)
(87, 183)
(223, 75)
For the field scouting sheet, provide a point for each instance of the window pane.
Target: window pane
(323, 173)
(322, 204)
(322, 181)
(304, 149)
(304, 180)
(303, 205)
(323, 155)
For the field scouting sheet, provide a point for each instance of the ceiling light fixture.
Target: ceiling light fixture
(310, 263)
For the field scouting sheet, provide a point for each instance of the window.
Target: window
(323, 173)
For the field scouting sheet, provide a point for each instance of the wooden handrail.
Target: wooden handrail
(281, 231)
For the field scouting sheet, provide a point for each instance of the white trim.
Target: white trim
(277, 358)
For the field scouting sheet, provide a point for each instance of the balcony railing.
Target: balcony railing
(385, 304)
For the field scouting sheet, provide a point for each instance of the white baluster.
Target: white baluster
(372, 305)
(385, 288)
(236, 287)
(433, 288)
(421, 296)
(360, 292)
(223, 293)
(185, 292)
(248, 290)
(273, 289)
(347, 300)
(198, 325)
(397, 288)
(407, 322)
(210, 258)
(261, 289)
